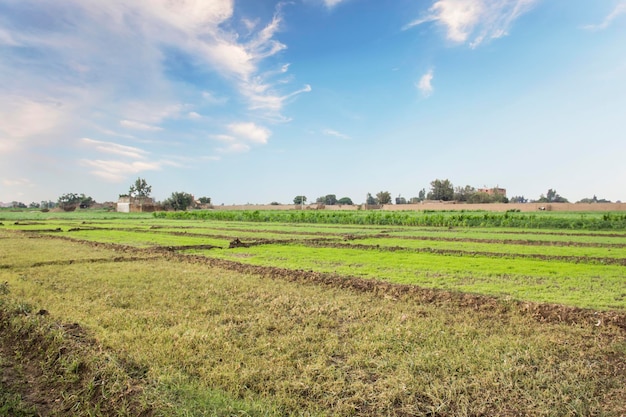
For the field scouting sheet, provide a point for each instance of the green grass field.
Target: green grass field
(315, 319)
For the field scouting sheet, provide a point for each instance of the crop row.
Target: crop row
(607, 221)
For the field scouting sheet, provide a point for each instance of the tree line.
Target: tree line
(440, 190)
(444, 190)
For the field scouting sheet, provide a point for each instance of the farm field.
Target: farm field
(223, 317)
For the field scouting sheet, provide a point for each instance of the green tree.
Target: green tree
(179, 201)
(552, 197)
(422, 194)
(400, 200)
(345, 201)
(384, 197)
(463, 193)
(370, 200)
(34, 205)
(85, 201)
(479, 198)
(330, 199)
(205, 200)
(299, 199)
(441, 190)
(594, 199)
(140, 189)
(69, 201)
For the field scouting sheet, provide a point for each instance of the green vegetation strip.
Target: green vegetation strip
(222, 342)
(583, 285)
(601, 221)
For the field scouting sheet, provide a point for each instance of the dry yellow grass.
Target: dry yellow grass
(304, 349)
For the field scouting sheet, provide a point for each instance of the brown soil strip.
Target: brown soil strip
(95, 260)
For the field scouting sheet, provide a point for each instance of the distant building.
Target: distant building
(493, 191)
(135, 205)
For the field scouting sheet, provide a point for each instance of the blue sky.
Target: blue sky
(257, 101)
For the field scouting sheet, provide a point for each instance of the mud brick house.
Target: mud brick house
(135, 204)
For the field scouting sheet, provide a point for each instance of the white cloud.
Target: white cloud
(332, 3)
(617, 11)
(116, 148)
(424, 85)
(139, 126)
(18, 182)
(118, 171)
(223, 138)
(22, 118)
(475, 20)
(194, 115)
(331, 132)
(250, 132)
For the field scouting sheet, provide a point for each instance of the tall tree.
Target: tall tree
(180, 201)
(330, 199)
(422, 194)
(441, 190)
(140, 189)
(384, 197)
(299, 199)
(552, 197)
(463, 193)
(370, 200)
(205, 200)
(69, 201)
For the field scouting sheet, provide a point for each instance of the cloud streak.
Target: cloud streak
(334, 133)
(116, 148)
(608, 20)
(474, 21)
(118, 171)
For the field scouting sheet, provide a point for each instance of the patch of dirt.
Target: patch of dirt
(40, 380)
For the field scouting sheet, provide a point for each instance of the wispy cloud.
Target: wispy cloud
(475, 21)
(109, 66)
(241, 136)
(234, 148)
(608, 20)
(332, 3)
(118, 171)
(116, 148)
(22, 118)
(331, 132)
(17, 182)
(132, 124)
(250, 132)
(424, 85)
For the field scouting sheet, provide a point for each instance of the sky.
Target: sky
(258, 101)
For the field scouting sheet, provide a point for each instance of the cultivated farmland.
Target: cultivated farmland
(312, 314)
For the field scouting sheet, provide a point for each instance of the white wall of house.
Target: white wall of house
(123, 207)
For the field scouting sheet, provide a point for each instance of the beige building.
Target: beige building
(135, 205)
